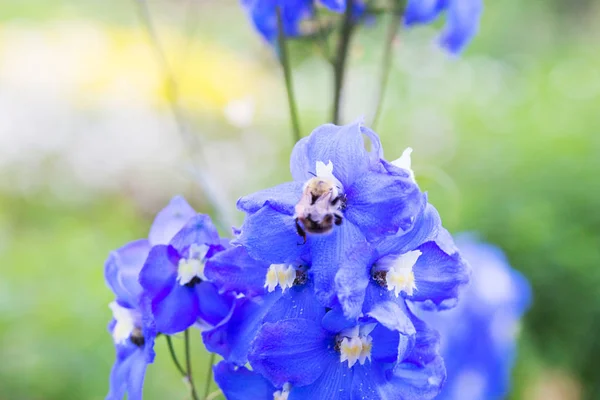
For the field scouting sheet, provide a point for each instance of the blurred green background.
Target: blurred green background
(506, 143)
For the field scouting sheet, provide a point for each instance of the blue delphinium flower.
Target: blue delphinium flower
(389, 354)
(342, 196)
(462, 20)
(264, 14)
(133, 343)
(176, 294)
(478, 336)
(134, 339)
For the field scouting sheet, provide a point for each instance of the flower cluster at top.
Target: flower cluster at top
(318, 290)
(479, 353)
(462, 16)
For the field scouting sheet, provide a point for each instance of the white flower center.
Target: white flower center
(282, 394)
(193, 266)
(325, 171)
(125, 322)
(400, 277)
(405, 162)
(280, 275)
(356, 345)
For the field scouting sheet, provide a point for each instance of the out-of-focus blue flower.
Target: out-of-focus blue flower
(133, 344)
(462, 20)
(479, 336)
(342, 196)
(263, 14)
(176, 294)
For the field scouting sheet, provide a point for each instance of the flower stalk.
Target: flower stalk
(287, 73)
(339, 65)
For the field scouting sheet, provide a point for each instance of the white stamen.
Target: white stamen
(365, 352)
(325, 171)
(282, 394)
(400, 277)
(125, 323)
(404, 162)
(350, 350)
(280, 275)
(193, 266)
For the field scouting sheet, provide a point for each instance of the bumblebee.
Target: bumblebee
(320, 207)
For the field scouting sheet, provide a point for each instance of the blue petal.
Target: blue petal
(239, 383)
(170, 220)
(352, 278)
(375, 294)
(127, 374)
(335, 321)
(198, 230)
(422, 374)
(213, 307)
(328, 252)
(342, 145)
(122, 269)
(235, 270)
(425, 229)
(386, 345)
(462, 24)
(282, 198)
(422, 11)
(297, 302)
(366, 382)
(159, 273)
(334, 5)
(335, 382)
(439, 277)
(272, 237)
(394, 316)
(177, 311)
(232, 337)
(381, 204)
(297, 351)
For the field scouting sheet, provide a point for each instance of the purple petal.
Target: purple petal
(170, 220)
(342, 145)
(213, 307)
(198, 230)
(352, 278)
(439, 277)
(239, 383)
(282, 198)
(235, 270)
(122, 269)
(461, 25)
(297, 351)
(159, 273)
(382, 203)
(335, 382)
(328, 252)
(177, 311)
(271, 237)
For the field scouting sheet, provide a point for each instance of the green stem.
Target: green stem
(386, 63)
(339, 65)
(174, 356)
(211, 361)
(188, 362)
(287, 73)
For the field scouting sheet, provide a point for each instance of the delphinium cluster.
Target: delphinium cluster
(479, 352)
(320, 293)
(316, 291)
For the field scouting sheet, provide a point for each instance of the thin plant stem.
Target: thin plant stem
(188, 363)
(287, 73)
(191, 142)
(211, 361)
(174, 356)
(386, 63)
(322, 34)
(339, 65)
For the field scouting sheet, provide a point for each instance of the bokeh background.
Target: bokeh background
(506, 143)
